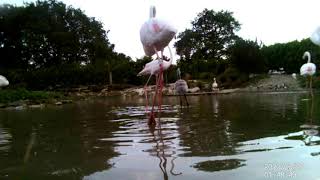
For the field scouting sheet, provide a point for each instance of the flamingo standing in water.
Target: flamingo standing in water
(181, 88)
(215, 85)
(3, 81)
(308, 69)
(156, 67)
(155, 35)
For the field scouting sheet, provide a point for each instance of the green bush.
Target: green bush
(8, 95)
(232, 78)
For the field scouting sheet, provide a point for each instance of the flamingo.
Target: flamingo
(308, 69)
(156, 68)
(315, 36)
(181, 88)
(3, 81)
(214, 85)
(156, 34)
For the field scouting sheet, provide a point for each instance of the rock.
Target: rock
(194, 90)
(58, 103)
(36, 106)
(21, 107)
(105, 90)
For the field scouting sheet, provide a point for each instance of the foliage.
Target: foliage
(232, 77)
(47, 33)
(247, 57)
(47, 43)
(211, 34)
(8, 95)
(204, 48)
(289, 55)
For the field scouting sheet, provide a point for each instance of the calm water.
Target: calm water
(238, 136)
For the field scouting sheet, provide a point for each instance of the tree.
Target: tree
(48, 33)
(246, 56)
(204, 47)
(49, 42)
(289, 55)
(211, 35)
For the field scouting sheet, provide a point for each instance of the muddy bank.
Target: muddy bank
(273, 83)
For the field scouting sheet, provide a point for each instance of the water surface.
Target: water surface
(235, 136)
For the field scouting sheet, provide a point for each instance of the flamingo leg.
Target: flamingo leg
(152, 118)
(146, 93)
(185, 97)
(148, 80)
(311, 86)
(160, 89)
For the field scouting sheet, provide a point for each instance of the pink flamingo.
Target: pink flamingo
(155, 35)
(156, 67)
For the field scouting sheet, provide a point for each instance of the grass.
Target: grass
(12, 95)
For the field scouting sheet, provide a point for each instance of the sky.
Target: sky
(269, 21)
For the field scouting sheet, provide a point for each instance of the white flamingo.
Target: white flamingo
(315, 36)
(308, 69)
(181, 88)
(214, 85)
(156, 34)
(156, 67)
(3, 81)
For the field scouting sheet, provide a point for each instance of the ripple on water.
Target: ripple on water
(137, 111)
(134, 136)
(5, 140)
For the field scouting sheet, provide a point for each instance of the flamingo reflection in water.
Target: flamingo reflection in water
(160, 151)
(309, 128)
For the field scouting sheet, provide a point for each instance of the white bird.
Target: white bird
(156, 67)
(214, 85)
(294, 75)
(308, 69)
(156, 34)
(181, 88)
(315, 36)
(3, 81)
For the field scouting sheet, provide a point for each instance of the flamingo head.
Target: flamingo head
(152, 12)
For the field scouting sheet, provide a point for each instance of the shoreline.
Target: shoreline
(71, 97)
(37, 99)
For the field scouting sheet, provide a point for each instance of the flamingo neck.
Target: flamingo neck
(179, 73)
(167, 64)
(308, 55)
(152, 12)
